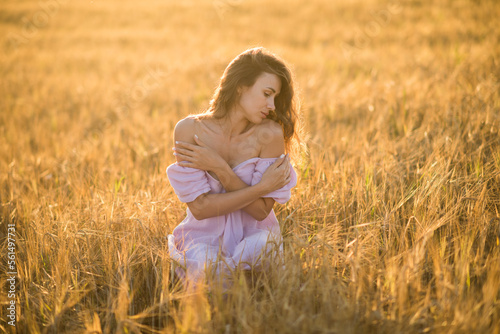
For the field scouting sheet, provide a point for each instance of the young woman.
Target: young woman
(231, 167)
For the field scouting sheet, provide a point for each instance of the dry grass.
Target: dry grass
(393, 228)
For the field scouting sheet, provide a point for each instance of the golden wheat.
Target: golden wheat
(393, 227)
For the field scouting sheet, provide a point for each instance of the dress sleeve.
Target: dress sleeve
(188, 183)
(281, 195)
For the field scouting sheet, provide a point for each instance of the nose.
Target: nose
(270, 104)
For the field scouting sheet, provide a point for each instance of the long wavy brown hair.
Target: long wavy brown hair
(243, 71)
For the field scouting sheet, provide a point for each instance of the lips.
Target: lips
(264, 114)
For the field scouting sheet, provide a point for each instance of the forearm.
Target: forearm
(258, 209)
(211, 205)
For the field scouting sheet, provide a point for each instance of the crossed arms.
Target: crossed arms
(192, 152)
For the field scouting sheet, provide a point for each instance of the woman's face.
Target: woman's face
(258, 100)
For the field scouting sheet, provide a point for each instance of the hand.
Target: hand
(277, 175)
(198, 155)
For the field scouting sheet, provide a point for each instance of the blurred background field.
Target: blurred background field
(393, 227)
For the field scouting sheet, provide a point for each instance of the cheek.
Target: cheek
(252, 100)
(246, 101)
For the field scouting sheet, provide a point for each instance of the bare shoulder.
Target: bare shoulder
(273, 126)
(270, 136)
(185, 129)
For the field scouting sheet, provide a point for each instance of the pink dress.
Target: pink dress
(227, 241)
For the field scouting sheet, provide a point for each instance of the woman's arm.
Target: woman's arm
(274, 146)
(211, 205)
(258, 209)
(239, 195)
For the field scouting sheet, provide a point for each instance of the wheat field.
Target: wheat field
(394, 226)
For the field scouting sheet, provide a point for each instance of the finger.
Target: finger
(287, 170)
(183, 157)
(183, 151)
(186, 164)
(199, 141)
(286, 159)
(186, 145)
(280, 160)
(283, 183)
(286, 176)
(288, 167)
(285, 163)
(187, 161)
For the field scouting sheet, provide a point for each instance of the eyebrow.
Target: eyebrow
(271, 88)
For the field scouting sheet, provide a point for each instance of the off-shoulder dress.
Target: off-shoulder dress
(228, 241)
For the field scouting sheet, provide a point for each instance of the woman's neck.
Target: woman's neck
(234, 124)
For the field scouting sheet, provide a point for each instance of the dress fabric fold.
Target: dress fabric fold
(234, 240)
